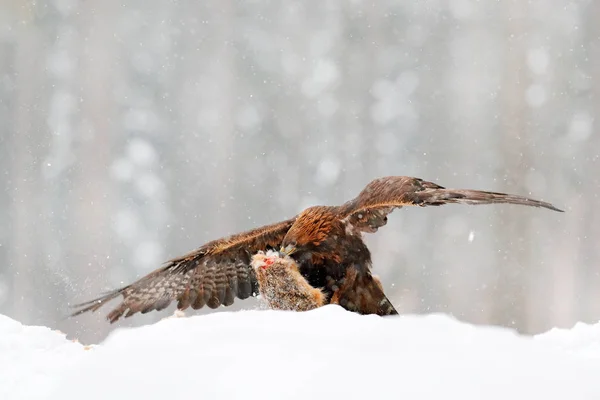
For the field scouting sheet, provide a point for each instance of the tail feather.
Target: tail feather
(386, 307)
(362, 293)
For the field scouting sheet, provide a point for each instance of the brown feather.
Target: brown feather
(212, 275)
(317, 223)
(362, 293)
(369, 210)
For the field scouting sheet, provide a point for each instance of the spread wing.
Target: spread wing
(369, 210)
(212, 275)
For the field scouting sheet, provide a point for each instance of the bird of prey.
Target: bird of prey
(325, 242)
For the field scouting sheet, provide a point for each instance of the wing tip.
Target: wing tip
(95, 304)
(552, 207)
(544, 204)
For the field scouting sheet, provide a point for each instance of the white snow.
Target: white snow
(32, 359)
(326, 353)
(582, 339)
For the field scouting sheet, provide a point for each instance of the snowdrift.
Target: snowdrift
(32, 359)
(325, 353)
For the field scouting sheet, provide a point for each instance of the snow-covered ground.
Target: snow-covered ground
(326, 353)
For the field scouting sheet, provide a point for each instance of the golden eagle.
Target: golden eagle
(325, 243)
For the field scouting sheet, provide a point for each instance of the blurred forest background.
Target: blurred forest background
(132, 132)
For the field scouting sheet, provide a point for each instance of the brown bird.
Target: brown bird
(325, 242)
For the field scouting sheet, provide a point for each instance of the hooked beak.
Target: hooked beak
(287, 250)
